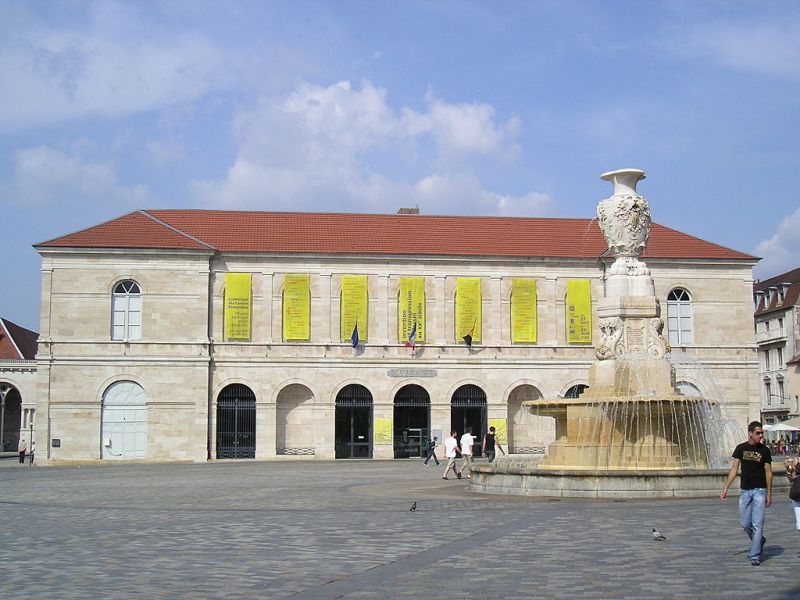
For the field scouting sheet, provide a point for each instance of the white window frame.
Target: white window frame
(126, 311)
(680, 321)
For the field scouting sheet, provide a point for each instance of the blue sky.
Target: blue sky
(459, 107)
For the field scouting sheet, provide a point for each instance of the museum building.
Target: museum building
(201, 334)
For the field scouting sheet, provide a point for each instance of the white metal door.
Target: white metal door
(124, 426)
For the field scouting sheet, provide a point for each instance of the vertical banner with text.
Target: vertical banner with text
(236, 316)
(579, 311)
(355, 302)
(411, 308)
(382, 432)
(500, 430)
(468, 308)
(523, 311)
(296, 307)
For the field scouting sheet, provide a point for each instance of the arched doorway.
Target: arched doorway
(123, 428)
(576, 390)
(294, 421)
(527, 433)
(354, 422)
(236, 422)
(468, 409)
(10, 417)
(412, 418)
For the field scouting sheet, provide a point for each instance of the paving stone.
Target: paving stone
(342, 529)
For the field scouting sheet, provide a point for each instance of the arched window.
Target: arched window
(126, 311)
(576, 390)
(679, 317)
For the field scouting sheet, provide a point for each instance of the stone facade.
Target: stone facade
(182, 363)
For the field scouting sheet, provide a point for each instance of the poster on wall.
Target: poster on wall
(355, 302)
(523, 311)
(468, 308)
(500, 430)
(383, 432)
(296, 308)
(579, 311)
(237, 307)
(411, 309)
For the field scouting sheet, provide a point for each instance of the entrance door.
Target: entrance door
(468, 409)
(124, 421)
(236, 422)
(10, 418)
(354, 422)
(412, 418)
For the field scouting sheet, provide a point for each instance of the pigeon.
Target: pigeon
(413, 507)
(657, 536)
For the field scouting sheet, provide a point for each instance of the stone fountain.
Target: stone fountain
(631, 433)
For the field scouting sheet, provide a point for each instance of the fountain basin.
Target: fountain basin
(516, 480)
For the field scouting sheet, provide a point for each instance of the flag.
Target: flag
(354, 337)
(468, 338)
(412, 337)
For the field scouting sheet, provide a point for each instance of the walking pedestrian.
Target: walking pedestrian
(451, 451)
(22, 448)
(431, 452)
(793, 475)
(467, 441)
(489, 444)
(756, 484)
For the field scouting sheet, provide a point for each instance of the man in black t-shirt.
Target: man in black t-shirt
(756, 483)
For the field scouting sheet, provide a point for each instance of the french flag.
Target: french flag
(412, 337)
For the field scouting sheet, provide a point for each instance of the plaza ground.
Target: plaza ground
(343, 529)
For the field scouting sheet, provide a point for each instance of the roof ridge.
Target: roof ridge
(11, 337)
(175, 229)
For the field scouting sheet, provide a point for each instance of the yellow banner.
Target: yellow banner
(237, 307)
(355, 301)
(523, 311)
(411, 308)
(468, 308)
(382, 432)
(579, 311)
(296, 307)
(500, 430)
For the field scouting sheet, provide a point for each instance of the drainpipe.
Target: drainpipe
(209, 333)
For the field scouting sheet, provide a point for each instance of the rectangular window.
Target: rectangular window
(780, 391)
(768, 393)
(779, 361)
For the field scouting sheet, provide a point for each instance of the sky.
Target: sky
(467, 108)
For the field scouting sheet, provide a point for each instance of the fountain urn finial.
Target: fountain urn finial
(624, 218)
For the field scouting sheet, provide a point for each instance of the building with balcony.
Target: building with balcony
(777, 332)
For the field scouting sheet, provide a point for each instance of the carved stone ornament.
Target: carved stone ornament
(624, 218)
(656, 344)
(612, 342)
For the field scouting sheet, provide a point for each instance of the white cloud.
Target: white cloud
(340, 147)
(764, 46)
(44, 176)
(53, 74)
(781, 252)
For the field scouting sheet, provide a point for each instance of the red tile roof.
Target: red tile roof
(333, 233)
(17, 343)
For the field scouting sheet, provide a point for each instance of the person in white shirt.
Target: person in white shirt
(451, 451)
(466, 451)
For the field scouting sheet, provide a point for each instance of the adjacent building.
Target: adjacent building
(194, 335)
(777, 331)
(17, 385)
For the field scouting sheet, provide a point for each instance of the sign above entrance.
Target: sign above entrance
(411, 372)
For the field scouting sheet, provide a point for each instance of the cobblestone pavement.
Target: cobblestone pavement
(344, 530)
